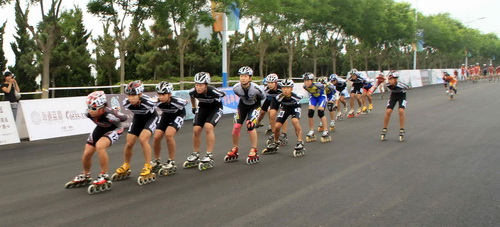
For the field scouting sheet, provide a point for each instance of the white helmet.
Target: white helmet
(202, 78)
(272, 78)
(245, 70)
(287, 83)
(134, 88)
(164, 88)
(96, 100)
(308, 76)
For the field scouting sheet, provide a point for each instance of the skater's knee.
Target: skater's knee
(310, 113)
(321, 113)
(250, 125)
(236, 129)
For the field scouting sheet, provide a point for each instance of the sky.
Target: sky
(468, 12)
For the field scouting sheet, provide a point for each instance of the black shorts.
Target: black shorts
(141, 122)
(397, 97)
(174, 120)
(245, 112)
(266, 104)
(100, 132)
(275, 105)
(206, 115)
(284, 113)
(356, 89)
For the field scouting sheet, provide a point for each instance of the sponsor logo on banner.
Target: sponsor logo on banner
(58, 117)
(8, 129)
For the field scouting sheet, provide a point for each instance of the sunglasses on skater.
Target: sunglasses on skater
(94, 108)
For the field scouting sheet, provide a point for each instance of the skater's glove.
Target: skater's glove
(194, 110)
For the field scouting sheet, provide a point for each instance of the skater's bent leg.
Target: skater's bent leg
(387, 117)
(310, 115)
(277, 129)
(298, 129)
(196, 138)
(157, 143)
(236, 134)
(272, 119)
(209, 131)
(101, 147)
(131, 138)
(169, 136)
(322, 117)
(87, 157)
(284, 126)
(253, 137)
(146, 147)
(402, 117)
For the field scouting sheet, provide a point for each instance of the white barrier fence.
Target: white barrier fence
(58, 117)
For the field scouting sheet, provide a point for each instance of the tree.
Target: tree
(24, 49)
(3, 60)
(117, 12)
(105, 61)
(45, 36)
(70, 65)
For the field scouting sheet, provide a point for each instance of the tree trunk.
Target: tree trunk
(46, 73)
(181, 66)
(122, 68)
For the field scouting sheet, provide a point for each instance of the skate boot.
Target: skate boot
(146, 176)
(451, 95)
(269, 130)
(358, 112)
(231, 155)
(384, 132)
(320, 127)
(283, 140)
(270, 139)
(310, 137)
(79, 181)
(299, 149)
(370, 108)
(101, 184)
(259, 125)
(253, 157)
(340, 116)
(325, 137)
(168, 168)
(364, 110)
(192, 160)
(351, 113)
(122, 173)
(402, 134)
(271, 148)
(155, 165)
(332, 125)
(206, 162)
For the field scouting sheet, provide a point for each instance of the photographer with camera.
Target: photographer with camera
(11, 90)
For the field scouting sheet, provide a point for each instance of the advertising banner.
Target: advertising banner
(54, 118)
(8, 129)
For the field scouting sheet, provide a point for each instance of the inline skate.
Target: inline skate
(370, 108)
(270, 139)
(402, 134)
(310, 137)
(269, 130)
(364, 110)
(299, 149)
(359, 112)
(231, 155)
(253, 157)
(79, 181)
(101, 184)
(206, 162)
(332, 125)
(351, 113)
(121, 173)
(340, 116)
(192, 160)
(384, 132)
(155, 165)
(146, 176)
(320, 127)
(168, 168)
(283, 139)
(271, 148)
(325, 137)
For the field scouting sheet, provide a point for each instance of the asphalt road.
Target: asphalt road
(446, 173)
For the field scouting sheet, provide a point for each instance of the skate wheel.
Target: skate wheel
(69, 185)
(109, 184)
(382, 137)
(91, 189)
(185, 165)
(140, 181)
(226, 158)
(201, 167)
(401, 138)
(295, 153)
(249, 161)
(153, 178)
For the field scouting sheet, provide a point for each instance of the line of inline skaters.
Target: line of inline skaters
(474, 73)
(277, 98)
